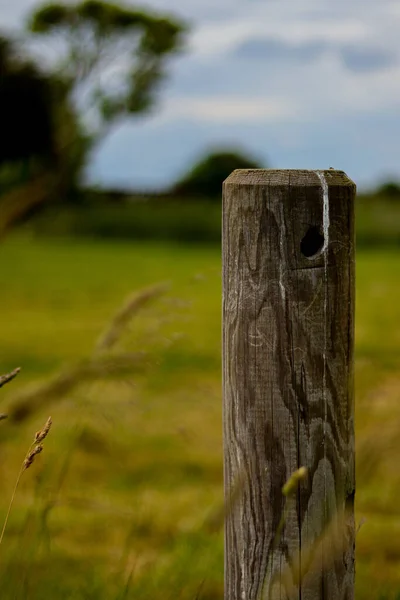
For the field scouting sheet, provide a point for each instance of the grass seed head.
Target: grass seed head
(30, 457)
(9, 376)
(42, 434)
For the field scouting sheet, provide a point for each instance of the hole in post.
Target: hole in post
(312, 242)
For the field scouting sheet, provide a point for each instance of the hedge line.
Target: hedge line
(194, 221)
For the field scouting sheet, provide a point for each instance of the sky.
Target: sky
(300, 84)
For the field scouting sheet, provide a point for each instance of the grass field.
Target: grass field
(119, 504)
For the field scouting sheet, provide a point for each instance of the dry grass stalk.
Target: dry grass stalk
(34, 449)
(288, 490)
(330, 544)
(9, 376)
(95, 367)
(215, 520)
(291, 485)
(25, 403)
(125, 314)
(5, 379)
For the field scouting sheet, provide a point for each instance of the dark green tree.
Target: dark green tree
(42, 144)
(390, 189)
(206, 177)
(112, 58)
(38, 124)
(26, 122)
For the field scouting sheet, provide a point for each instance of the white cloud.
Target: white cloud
(229, 109)
(229, 90)
(212, 39)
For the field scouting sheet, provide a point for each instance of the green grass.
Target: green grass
(119, 500)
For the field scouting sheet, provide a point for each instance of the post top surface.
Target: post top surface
(285, 177)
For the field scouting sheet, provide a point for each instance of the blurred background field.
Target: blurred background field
(129, 488)
(107, 190)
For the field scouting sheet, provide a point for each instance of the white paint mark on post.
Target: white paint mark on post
(325, 205)
(325, 225)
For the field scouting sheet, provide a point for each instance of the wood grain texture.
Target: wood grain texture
(288, 334)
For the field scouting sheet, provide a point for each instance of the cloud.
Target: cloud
(278, 50)
(229, 109)
(283, 88)
(213, 39)
(359, 58)
(364, 59)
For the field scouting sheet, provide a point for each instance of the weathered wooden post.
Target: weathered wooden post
(288, 321)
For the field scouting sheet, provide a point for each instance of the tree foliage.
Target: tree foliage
(206, 177)
(26, 121)
(40, 134)
(112, 57)
(390, 189)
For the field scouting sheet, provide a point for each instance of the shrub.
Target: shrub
(206, 177)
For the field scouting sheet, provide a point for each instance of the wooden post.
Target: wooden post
(288, 331)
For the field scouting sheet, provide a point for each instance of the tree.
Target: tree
(41, 141)
(390, 189)
(206, 177)
(38, 124)
(26, 121)
(37, 121)
(106, 63)
(112, 58)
